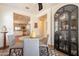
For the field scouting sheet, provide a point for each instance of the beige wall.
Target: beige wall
(42, 25)
(6, 18)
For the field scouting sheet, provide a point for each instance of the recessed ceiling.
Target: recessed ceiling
(31, 7)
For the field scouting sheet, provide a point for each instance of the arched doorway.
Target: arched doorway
(66, 29)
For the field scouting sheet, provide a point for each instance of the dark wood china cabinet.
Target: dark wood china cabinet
(66, 30)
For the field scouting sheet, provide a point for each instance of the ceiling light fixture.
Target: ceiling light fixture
(40, 6)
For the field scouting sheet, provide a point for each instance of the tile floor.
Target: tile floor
(51, 53)
(57, 53)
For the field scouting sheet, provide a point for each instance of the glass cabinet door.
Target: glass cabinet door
(66, 29)
(64, 32)
(74, 32)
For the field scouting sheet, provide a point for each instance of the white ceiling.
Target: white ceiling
(31, 7)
